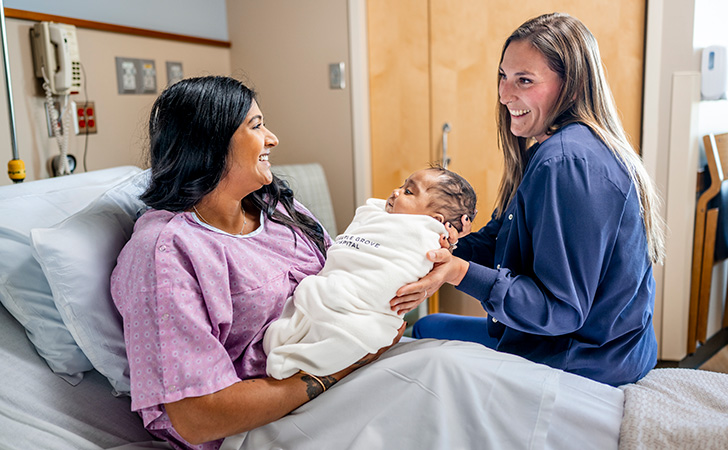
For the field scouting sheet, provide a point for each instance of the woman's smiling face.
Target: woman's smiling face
(528, 88)
(250, 147)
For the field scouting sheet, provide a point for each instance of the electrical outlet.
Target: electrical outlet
(86, 122)
(148, 76)
(136, 76)
(126, 75)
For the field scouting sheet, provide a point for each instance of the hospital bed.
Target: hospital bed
(65, 378)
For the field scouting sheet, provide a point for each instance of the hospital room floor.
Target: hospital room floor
(718, 363)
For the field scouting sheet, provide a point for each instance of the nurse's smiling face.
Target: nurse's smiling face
(528, 88)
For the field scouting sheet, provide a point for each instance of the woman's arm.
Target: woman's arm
(479, 247)
(243, 406)
(562, 228)
(248, 404)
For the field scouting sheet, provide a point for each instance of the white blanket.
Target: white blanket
(340, 315)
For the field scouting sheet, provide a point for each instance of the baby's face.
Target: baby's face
(413, 197)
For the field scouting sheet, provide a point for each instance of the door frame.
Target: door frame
(359, 83)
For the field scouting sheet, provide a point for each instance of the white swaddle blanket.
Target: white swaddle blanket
(340, 315)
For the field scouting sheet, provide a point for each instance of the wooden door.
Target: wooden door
(436, 61)
(399, 89)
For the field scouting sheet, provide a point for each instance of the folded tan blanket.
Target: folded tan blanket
(676, 409)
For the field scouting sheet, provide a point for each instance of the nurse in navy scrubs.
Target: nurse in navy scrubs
(564, 267)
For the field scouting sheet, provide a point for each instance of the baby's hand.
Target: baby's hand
(450, 240)
(467, 226)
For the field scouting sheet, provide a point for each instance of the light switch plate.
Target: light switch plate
(337, 76)
(148, 74)
(174, 72)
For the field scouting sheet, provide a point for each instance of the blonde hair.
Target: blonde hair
(572, 52)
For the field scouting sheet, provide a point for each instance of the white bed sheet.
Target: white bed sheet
(421, 394)
(432, 394)
(39, 410)
(405, 400)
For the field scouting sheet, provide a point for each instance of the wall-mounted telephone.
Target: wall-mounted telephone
(56, 57)
(56, 60)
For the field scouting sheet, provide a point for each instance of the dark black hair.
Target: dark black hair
(190, 128)
(453, 197)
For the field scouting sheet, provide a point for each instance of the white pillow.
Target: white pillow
(24, 291)
(77, 257)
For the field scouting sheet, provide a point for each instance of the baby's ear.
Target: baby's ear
(439, 217)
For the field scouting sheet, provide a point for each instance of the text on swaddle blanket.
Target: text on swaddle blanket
(354, 241)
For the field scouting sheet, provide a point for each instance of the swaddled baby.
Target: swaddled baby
(342, 314)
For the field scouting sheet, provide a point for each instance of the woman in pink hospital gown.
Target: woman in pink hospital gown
(209, 266)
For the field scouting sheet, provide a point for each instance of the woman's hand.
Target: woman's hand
(447, 269)
(370, 357)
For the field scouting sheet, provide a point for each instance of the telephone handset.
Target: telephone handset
(56, 57)
(56, 60)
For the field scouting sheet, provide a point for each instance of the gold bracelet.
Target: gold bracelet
(315, 378)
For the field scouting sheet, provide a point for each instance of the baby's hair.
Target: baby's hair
(453, 197)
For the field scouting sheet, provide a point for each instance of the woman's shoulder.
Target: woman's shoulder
(572, 139)
(156, 225)
(577, 142)
(153, 221)
(577, 148)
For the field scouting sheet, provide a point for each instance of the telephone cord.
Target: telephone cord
(61, 137)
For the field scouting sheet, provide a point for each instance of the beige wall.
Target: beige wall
(284, 48)
(121, 118)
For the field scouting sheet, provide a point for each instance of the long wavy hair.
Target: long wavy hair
(572, 52)
(190, 128)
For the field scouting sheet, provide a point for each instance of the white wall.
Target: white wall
(283, 48)
(122, 119)
(202, 18)
(711, 20)
(674, 120)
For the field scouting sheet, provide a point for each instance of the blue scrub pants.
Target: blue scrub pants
(454, 327)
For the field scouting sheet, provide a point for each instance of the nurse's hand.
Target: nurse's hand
(447, 269)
